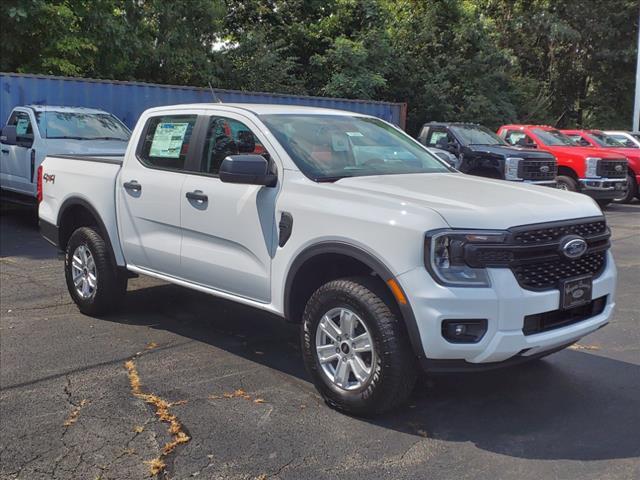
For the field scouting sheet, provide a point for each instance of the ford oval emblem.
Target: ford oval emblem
(544, 169)
(573, 247)
(618, 168)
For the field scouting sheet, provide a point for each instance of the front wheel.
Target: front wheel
(355, 349)
(632, 191)
(604, 203)
(94, 283)
(564, 182)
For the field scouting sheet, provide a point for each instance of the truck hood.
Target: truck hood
(506, 151)
(466, 201)
(74, 147)
(588, 152)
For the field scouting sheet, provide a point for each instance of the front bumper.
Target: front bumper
(604, 188)
(504, 305)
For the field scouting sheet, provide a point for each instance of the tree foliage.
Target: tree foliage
(490, 61)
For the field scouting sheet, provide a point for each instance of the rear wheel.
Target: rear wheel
(564, 182)
(632, 190)
(355, 349)
(94, 283)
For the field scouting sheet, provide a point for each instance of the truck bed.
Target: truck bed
(87, 180)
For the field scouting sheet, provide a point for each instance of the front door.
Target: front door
(15, 160)
(148, 191)
(228, 230)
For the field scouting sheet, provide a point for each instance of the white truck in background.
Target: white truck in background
(387, 257)
(34, 131)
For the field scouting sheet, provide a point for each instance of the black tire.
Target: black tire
(110, 284)
(564, 182)
(632, 191)
(394, 371)
(604, 203)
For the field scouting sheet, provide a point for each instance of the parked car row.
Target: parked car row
(388, 258)
(603, 165)
(34, 131)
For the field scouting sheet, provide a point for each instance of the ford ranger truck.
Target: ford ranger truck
(599, 140)
(481, 152)
(34, 131)
(601, 175)
(388, 258)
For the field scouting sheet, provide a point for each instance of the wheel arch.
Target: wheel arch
(76, 212)
(567, 171)
(326, 261)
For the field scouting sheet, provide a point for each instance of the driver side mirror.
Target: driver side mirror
(8, 136)
(249, 169)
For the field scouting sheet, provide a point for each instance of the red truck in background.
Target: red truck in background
(599, 139)
(598, 173)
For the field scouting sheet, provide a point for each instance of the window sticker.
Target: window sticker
(21, 126)
(168, 139)
(354, 134)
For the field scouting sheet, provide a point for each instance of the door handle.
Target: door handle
(132, 185)
(198, 196)
(4, 150)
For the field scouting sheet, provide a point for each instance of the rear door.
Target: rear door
(148, 190)
(228, 229)
(15, 160)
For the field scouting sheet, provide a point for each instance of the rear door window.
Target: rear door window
(166, 140)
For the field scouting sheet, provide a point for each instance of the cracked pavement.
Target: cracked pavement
(572, 415)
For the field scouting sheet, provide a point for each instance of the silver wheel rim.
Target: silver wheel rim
(83, 272)
(563, 186)
(344, 349)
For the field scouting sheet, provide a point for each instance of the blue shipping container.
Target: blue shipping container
(127, 100)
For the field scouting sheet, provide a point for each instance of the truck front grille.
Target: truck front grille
(537, 170)
(547, 275)
(533, 252)
(612, 168)
(551, 233)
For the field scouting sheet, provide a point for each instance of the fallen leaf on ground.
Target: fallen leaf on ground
(138, 429)
(578, 346)
(151, 346)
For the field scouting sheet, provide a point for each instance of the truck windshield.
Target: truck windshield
(477, 135)
(606, 140)
(554, 138)
(330, 147)
(81, 126)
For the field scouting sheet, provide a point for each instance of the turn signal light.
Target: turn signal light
(39, 184)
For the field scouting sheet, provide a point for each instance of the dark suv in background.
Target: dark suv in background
(481, 152)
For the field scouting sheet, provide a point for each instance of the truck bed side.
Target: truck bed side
(80, 185)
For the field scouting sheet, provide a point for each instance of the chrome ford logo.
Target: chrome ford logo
(618, 168)
(544, 169)
(573, 247)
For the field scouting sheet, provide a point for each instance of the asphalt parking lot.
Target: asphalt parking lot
(235, 386)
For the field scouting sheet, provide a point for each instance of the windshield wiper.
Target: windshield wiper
(108, 138)
(331, 179)
(68, 137)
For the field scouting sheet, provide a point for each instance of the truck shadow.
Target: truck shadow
(573, 405)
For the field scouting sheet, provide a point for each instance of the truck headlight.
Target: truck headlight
(511, 168)
(444, 257)
(592, 167)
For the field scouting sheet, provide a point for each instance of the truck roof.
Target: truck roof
(523, 126)
(260, 108)
(444, 124)
(60, 108)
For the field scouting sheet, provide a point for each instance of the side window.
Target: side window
(166, 141)
(518, 138)
(439, 139)
(225, 137)
(579, 140)
(24, 129)
(624, 140)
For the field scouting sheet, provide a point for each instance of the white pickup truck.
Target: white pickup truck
(34, 131)
(387, 257)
